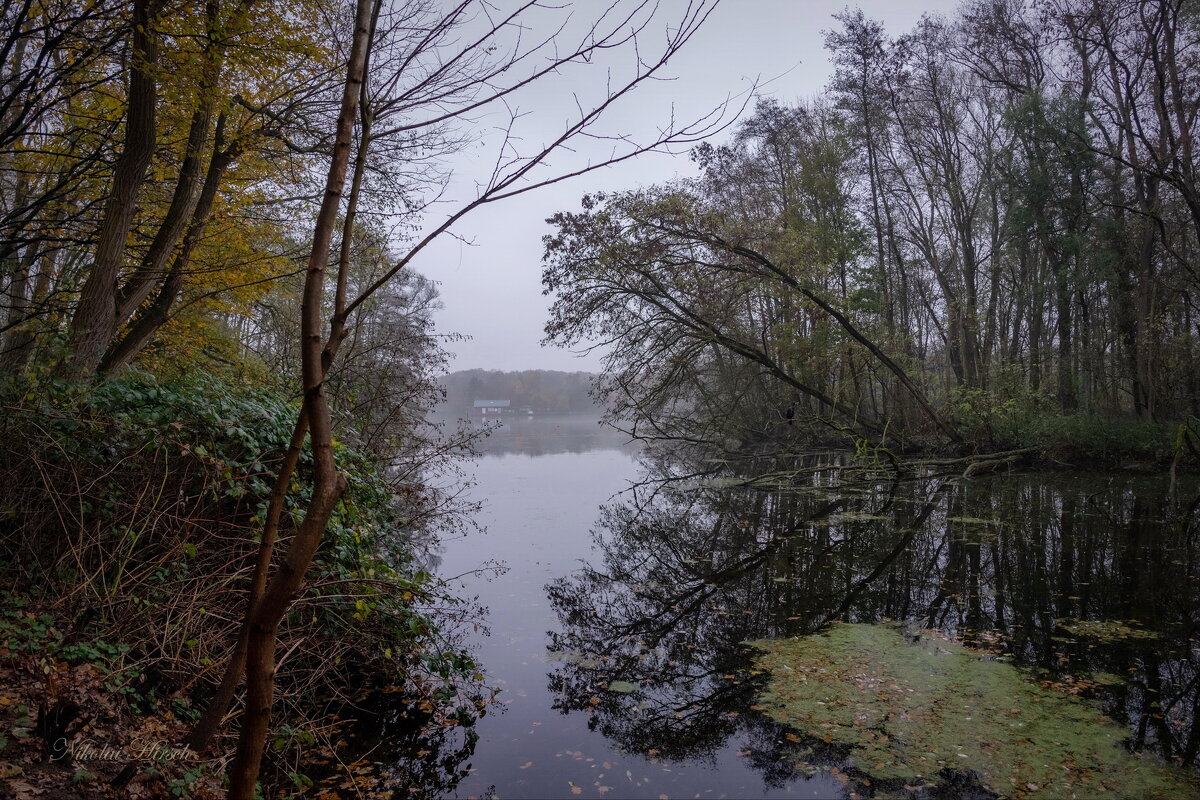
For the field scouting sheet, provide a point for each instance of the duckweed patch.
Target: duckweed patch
(1106, 630)
(916, 709)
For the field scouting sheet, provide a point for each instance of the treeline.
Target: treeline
(987, 221)
(538, 390)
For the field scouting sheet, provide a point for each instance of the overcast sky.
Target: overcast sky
(490, 283)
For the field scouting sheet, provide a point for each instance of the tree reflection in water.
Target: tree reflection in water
(1078, 578)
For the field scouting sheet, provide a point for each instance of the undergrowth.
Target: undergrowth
(128, 529)
(991, 422)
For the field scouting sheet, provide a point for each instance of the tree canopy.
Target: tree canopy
(983, 222)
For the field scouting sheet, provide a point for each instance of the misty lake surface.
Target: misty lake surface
(617, 630)
(543, 482)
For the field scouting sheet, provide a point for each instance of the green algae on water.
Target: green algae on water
(1106, 630)
(911, 707)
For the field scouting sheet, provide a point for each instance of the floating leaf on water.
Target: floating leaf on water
(579, 659)
(623, 687)
(1107, 679)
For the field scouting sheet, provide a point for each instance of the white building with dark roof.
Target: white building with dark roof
(491, 408)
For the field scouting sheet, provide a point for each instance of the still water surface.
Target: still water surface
(616, 631)
(543, 482)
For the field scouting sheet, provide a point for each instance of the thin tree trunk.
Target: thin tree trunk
(328, 485)
(19, 342)
(19, 304)
(1067, 398)
(217, 707)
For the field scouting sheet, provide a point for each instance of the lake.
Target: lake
(543, 482)
(617, 630)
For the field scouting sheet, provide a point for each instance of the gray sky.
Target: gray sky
(490, 283)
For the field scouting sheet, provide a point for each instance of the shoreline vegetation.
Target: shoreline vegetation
(128, 518)
(168, 475)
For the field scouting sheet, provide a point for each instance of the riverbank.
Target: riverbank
(131, 515)
(1094, 442)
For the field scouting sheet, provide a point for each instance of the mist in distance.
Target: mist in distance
(480, 394)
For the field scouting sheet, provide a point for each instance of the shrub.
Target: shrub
(132, 510)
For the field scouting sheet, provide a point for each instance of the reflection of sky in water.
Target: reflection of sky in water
(543, 482)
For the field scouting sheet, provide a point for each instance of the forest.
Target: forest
(982, 235)
(224, 496)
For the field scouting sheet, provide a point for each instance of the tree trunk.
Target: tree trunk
(19, 305)
(1067, 399)
(217, 707)
(184, 199)
(95, 318)
(328, 486)
(147, 324)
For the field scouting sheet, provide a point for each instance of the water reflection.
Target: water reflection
(541, 435)
(397, 750)
(1089, 581)
(538, 512)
